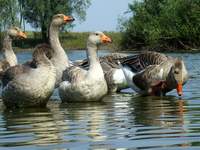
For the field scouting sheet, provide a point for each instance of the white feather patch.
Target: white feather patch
(119, 77)
(160, 74)
(64, 85)
(129, 77)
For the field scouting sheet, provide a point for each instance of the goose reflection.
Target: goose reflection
(118, 117)
(58, 123)
(31, 126)
(159, 111)
(86, 119)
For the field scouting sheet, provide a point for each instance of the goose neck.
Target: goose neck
(92, 56)
(7, 43)
(8, 52)
(59, 52)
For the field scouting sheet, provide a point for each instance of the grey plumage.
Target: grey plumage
(109, 64)
(85, 85)
(9, 56)
(26, 86)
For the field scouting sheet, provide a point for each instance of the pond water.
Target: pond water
(120, 121)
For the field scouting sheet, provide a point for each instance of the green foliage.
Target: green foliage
(163, 24)
(39, 12)
(8, 11)
(8, 17)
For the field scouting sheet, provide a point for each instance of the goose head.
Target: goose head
(15, 32)
(97, 38)
(179, 75)
(60, 19)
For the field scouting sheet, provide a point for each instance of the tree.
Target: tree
(8, 17)
(8, 11)
(39, 12)
(162, 24)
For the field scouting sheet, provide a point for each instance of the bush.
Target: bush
(163, 24)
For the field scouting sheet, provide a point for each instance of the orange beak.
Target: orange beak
(106, 39)
(22, 35)
(68, 19)
(179, 89)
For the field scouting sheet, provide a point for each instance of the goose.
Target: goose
(59, 58)
(26, 86)
(85, 85)
(9, 56)
(113, 74)
(153, 73)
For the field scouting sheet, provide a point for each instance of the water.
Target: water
(120, 121)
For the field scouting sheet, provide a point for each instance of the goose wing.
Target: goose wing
(107, 62)
(74, 74)
(148, 77)
(12, 72)
(140, 61)
(4, 65)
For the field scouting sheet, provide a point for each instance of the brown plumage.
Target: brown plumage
(4, 65)
(152, 73)
(144, 59)
(107, 62)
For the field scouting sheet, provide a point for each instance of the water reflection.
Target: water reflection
(159, 111)
(86, 118)
(30, 127)
(120, 121)
(58, 123)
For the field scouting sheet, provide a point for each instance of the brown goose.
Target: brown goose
(152, 73)
(113, 74)
(26, 86)
(10, 58)
(86, 85)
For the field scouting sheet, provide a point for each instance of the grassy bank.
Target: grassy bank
(77, 41)
(69, 40)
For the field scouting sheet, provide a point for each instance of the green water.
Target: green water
(120, 121)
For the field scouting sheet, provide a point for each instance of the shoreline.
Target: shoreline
(18, 49)
(77, 41)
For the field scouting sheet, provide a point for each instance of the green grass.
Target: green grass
(77, 40)
(69, 40)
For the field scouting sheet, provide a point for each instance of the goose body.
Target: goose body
(26, 86)
(85, 85)
(152, 73)
(113, 74)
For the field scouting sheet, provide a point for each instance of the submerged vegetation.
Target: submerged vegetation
(162, 25)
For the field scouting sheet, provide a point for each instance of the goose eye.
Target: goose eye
(96, 34)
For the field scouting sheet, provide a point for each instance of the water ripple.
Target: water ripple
(120, 121)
